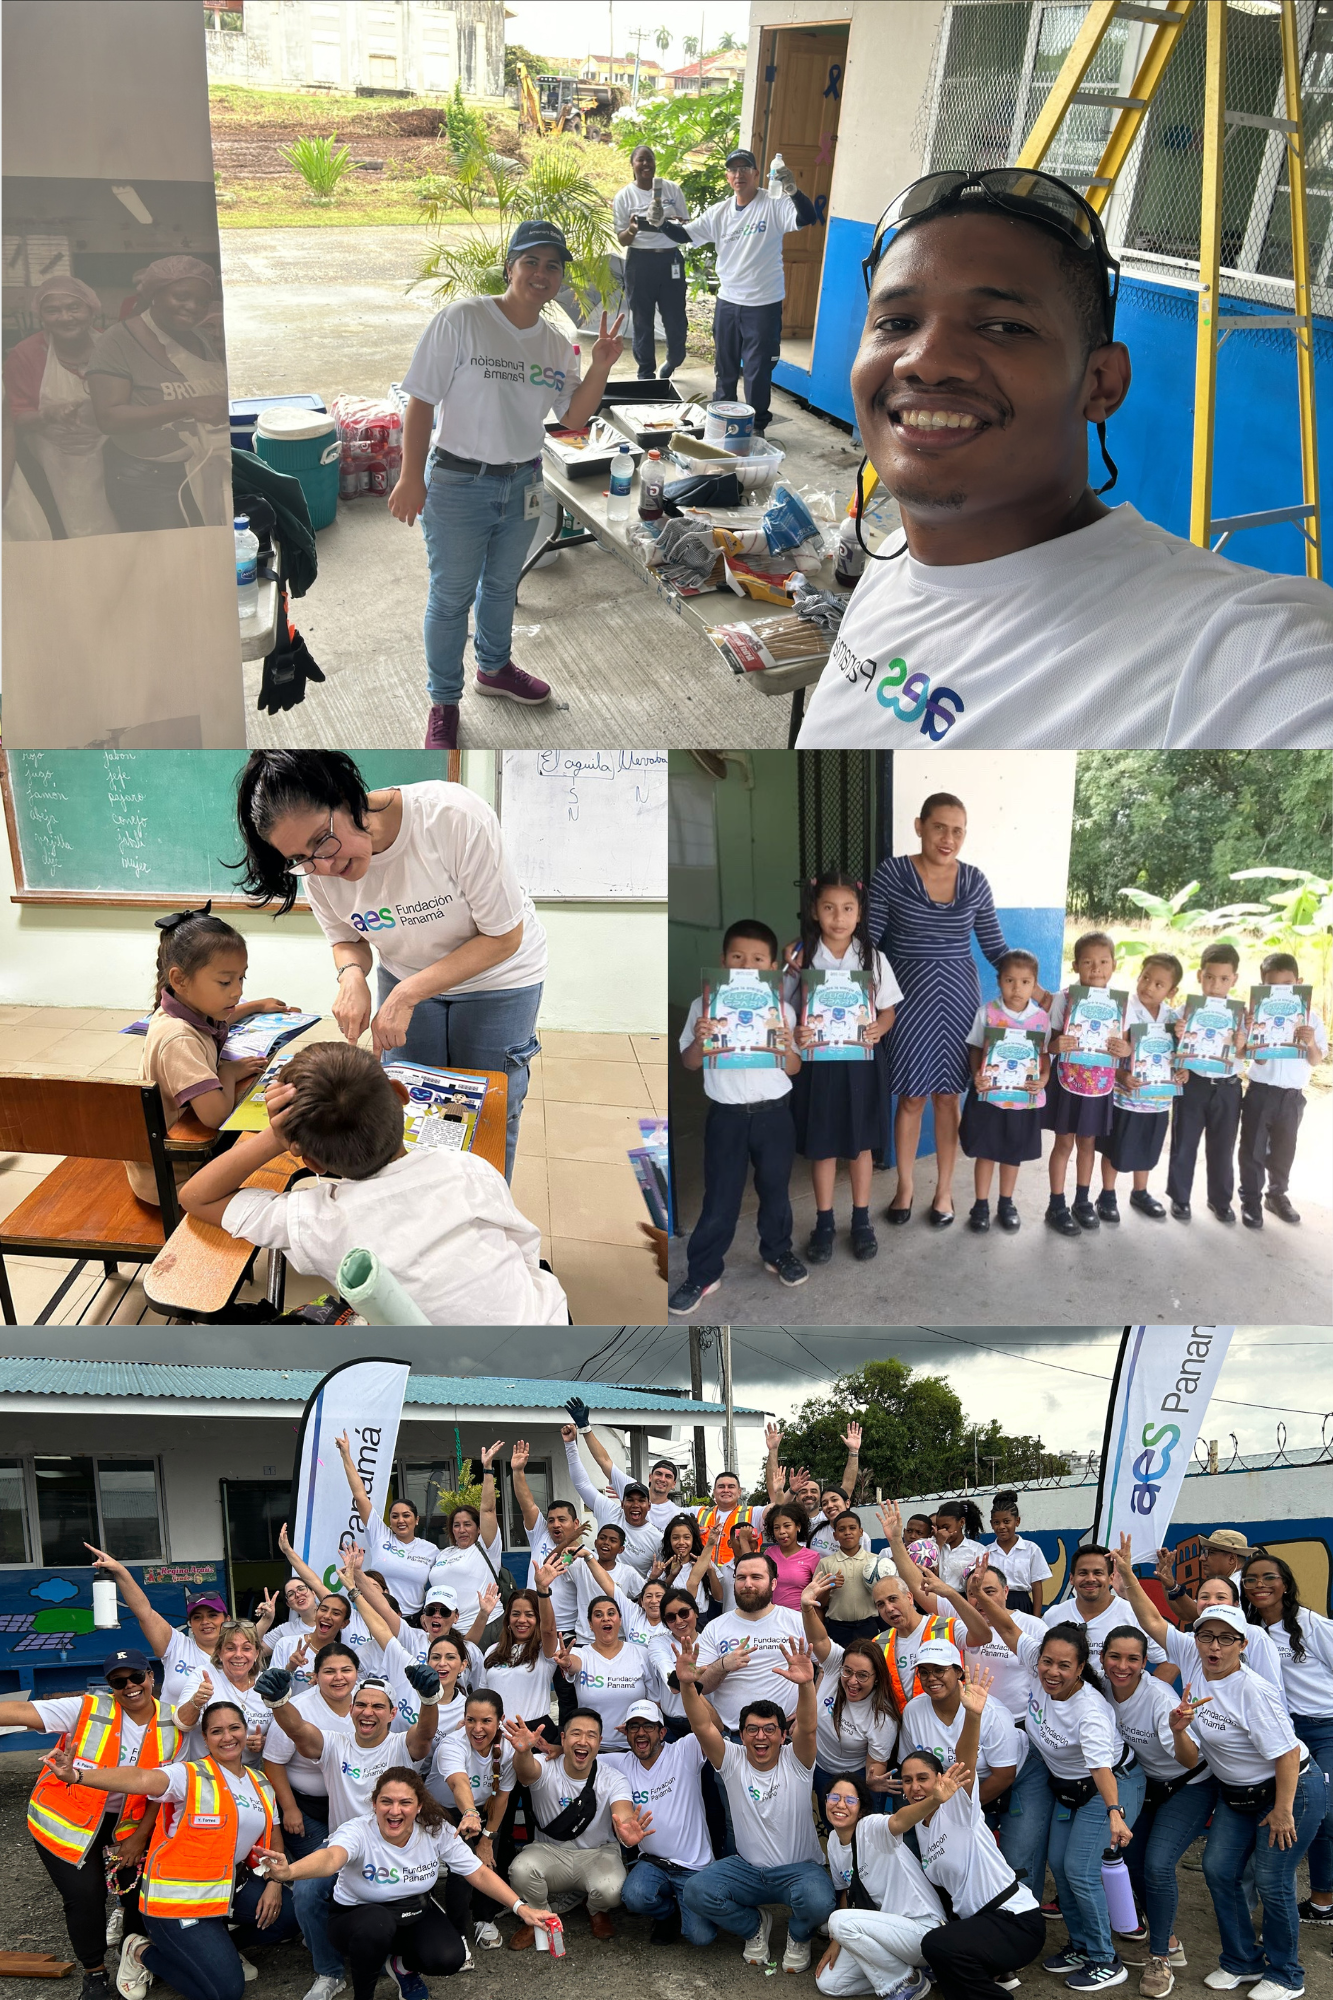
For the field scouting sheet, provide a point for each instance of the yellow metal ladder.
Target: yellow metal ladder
(1215, 326)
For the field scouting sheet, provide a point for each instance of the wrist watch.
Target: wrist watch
(541, 1593)
(1180, 1590)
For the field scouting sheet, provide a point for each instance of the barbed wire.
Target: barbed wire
(1085, 1467)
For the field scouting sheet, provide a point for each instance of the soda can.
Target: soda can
(556, 1933)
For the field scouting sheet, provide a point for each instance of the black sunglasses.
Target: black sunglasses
(119, 1682)
(678, 1616)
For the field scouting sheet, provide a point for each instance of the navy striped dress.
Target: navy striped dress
(929, 946)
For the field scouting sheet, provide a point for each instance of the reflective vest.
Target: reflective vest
(936, 1628)
(738, 1517)
(64, 1818)
(191, 1867)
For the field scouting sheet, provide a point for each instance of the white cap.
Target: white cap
(643, 1711)
(441, 1594)
(938, 1653)
(1228, 1614)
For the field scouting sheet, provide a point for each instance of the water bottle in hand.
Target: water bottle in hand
(247, 567)
(622, 477)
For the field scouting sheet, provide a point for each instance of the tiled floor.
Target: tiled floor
(571, 1177)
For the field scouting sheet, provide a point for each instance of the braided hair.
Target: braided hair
(1076, 1635)
(811, 890)
(1291, 1603)
(188, 940)
(497, 1707)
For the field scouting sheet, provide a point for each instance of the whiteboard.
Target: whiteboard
(586, 825)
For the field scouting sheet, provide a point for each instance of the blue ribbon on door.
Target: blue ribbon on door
(834, 79)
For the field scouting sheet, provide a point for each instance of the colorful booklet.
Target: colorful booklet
(260, 1035)
(1094, 1014)
(1275, 1014)
(1010, 1060)
(1152, 1061)
(747, 1008)
(442, 1109)
(652, 1171)
(1208, 1035)
(839, 1006)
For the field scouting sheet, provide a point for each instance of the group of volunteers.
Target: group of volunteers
(912, 930)
(700, 1714)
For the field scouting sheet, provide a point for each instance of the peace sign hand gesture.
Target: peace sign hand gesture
(608, 346)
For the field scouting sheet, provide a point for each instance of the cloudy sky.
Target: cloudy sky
(583, 27)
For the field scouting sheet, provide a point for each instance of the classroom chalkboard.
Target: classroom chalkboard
(586, 825)
(111, 826)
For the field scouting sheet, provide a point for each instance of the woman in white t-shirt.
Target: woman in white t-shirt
(613, 1673)
(521, 1665)
(393, 1546)
(469, 1561)
(421, 872)
(472, 1776)
(857, 1722)
(300, 1600)
(1303, 1642)
(885, 1904)
(188, 1691)
(485, 374)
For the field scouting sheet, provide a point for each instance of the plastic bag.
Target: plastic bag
(788, 521)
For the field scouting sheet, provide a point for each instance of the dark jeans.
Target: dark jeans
(1208, 1108)
(1316, 1733)
(649, 288)
(1270, 1118)
(82, 1891)
(965, 1956)
(148, 492)
(368, 1933)
(202, 1960)
(1161, 1836)
(737, 1137)
(746, 340)
(843, 1630)
(315, 1813)
(495, 1031)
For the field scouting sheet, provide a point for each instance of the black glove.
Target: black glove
(274, 1686)
(578, 1410)
(421, 1677)
(702, 489)
(287, 668)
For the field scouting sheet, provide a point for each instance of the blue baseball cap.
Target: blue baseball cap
(529, 235)
(136, 1661)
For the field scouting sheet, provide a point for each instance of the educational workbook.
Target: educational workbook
(1151, 1063)
(260, 1035)
(746, 1006)
(1275, 1014)
(651, 1171)
(1010, 1061)
(1094, 1014)
(838, 1006)
(1208, 1035)
(442, 1109)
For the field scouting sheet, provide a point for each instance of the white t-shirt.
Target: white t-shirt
(178, 1689)
(1260, 1657)
(303, 1677)
(350, 1770)
(456, 1756)
(60, 1716)
(1243, 1729)
(1142, 1721)
(1022, 1565)
(181, 1652)
(669, 1790)
(564, 1604)
(905, 1646)
(633, 201)
(889, 1871)
(959, 1856)
(641, 1543)
(404, 1566)
(492, 383)
(444, 1223)
(290, 1628)
(737, 1086)
(1116, 1613)
(624, 1579)
(250, 1814)
(954, 1564)
(468, 1574)
(1291, 1072)
(1118, 635)
(1307, 1683)
(749, 246)
(377, 1872)
(1073, 1737)
(771, 1813)
(860, 1734)
(755, 1681)
(885, 992)
(407, 1702)
(525, 1691)
(303, 1775)
(1002, 1744)
(612, 1686)
(1009, 1683)
(555, 1789)
(660, 1512)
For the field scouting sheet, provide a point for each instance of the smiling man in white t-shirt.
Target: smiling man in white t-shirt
(1023, 612)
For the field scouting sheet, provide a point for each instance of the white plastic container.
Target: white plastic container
(105, 1615)
(247, 567)
(622, 479)
(757, 472)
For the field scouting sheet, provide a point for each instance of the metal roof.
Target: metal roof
(158, 1380)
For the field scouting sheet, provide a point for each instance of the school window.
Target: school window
(228, 20)
(422, 1483)
(13, 1513)
(50, 1508)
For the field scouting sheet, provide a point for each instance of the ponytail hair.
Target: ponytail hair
(1076, 1635)
(811, 890)
(966, 1511)
(188, 939)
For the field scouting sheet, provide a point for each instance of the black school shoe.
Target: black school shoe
(1061, 1221)
(865, 1243)
(896, 1217)
(1280, 1206)
(1007, 1215)
(819, 1250)
(1108, 1208)
(1181, 1210)
(1227, 1214)
(940, 1218)
(978, 1217)
(1147, 1204)
(1085, 1215)
(1251, 1214)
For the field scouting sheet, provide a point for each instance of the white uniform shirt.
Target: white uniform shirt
(1142, 1721)
(1072, 1737)
(378, 1872)
(737, 1086)
(1036, 650)
(641, 1543)
(555, 1789)
(1260, 1657)
(456, 1757)
(634, 200)
(350, 1770)
(612, 1686)
(290, 1628)
(959, 1856)
(564, 1604)
(885, 992)
(303, 1677)
(525, 1691)
(182, 1651)
(1022, 1565)
(303, 1774)
(492, 383)
(1291, 1072)
(860, 1733)
(955, 1563)
(1002, 1744)
(889, 1871)
(770, 1810)
(1307, 1683)
(749, 246)
(755, 1681)
(1009, 1684)
(669, 1789)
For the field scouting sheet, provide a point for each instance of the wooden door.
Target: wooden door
(801, 117)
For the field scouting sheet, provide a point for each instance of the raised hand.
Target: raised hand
(891, 1520)
(976, 1687)
(521, 1737)
(424, 1679)
(269, 1602)
(739, 1656)
(951, 1781)
(299, 1658)
(568, 1661)
(773, 1436)
(635, 1827)
(101, 1560)
(608, 346)
(62, 1763)
(488, 1454)
(284, 1541)
(1185, 1710)
(687, 1660)
(274, 1687)
(1124, 1557)
(518, 1455)
(546, 1573)
(800, 1662)
(568, 1433)
(1166, 1568)
(851, 1437)
(489, 1598)
(203, 1694)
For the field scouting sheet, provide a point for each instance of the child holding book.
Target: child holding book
(1079, 1100)
(442, 1222)
(998, 1134)
(842, 1109)
(1138, 1121)
(200, 975)
(1208, 1106)
(749, 1127)
(1273, 1106)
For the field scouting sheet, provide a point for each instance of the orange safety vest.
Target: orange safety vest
(738, 1517)
(936, 1628)
(64, 1818)
(191, 1869)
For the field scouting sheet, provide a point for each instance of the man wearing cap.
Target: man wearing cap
(582, 1809)
(664, 1782)
(1017, 610)
(73, 1825)
(747, 230)
(1225, 1554)
(179, 1650)
(629, 1512)
(485, 374)
(654, 265)
(664, 1502)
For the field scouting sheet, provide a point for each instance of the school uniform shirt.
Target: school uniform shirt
(525, 1691)
(889, 1871)
(468, 1573)
(1306, 1685)
(1243, 1729)
(748, 246)
(754, 1681)
(405, 1566)
(885, 992)
(860, 1734)
(668, 1788)
(455, 1757)
(378, 1872)
(250, 1814)
(179, 1689)
(770, 1810)
(959, 1857)
(59, 1717)
(1009, 1677)
(181, 1053)
(1291, 1072)
(851, 1601)
(555, 1789)
(1023, 1564)
(632, 201)
(1037, 649)
(492, 383)
(954, 1564)
(304, 1774)
(1136, 1014)
(1116, 1613)
(444, 1223)
(1072, 1737)
(1143, 1722)
(642, 1544)
(737, 1086)
(823, 1538)
(660, 1512)
(1001, 1744)
(612, 1685)
(351, 1769)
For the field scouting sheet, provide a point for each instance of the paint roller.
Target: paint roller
(376, 1293)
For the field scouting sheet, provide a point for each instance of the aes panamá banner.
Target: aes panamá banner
(1164, 1378)
(365, 1399)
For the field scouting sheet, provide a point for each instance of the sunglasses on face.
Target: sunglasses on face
(678, 1617)
(119, 1682)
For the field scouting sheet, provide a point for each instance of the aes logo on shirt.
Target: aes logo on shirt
(909, 696)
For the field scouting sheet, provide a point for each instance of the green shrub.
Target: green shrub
(321, 163)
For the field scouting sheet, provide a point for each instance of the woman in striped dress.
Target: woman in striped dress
(924, 909)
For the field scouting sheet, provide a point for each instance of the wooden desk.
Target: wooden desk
(489, 1138)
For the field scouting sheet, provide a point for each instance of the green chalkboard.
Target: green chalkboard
(105, 825)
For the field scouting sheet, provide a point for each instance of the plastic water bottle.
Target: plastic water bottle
(622, 477)
(1119, 1893)
(247, 567)
(775, 166)
(651, 481)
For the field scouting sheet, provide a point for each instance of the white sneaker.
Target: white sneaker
(115, 1925)
(756, 1947)
(1219, 1981)
(1010, 1982)
(796, 1957)
(469, 1962)
(487, 1936)
(250, 1971)
(133, 1978)
(1268, 1989)
(325, 1986)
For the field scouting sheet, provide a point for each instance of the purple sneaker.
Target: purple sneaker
(442, 727)
(514, 685)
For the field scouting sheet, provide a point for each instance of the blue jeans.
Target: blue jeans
(656, 1888)
(728, 1896)
(298, 1845)
(495, 1031)
(477, 540)
(1026, 1826)
(201, 1960)
(313, 1901)
(1232, 1838)
(1316, 1733)
(1161, 1836)
(1077, 1842)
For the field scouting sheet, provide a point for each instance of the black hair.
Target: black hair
(930, 1525)
(666, 1552)
(401, 1500)
(602, 1598)
(677, 1595)
(1168, 962)
(612, 1528)
(795, 1513)
(1092, 1549)
(750, 927)
(459, 1644)
(923, 1756)
(882, 1705)
(1089, 938)
(1083, 278)
(564, 1507)
(277, 782)
(832, 1486)
(664, 1465)
(1280, 961)
(345, 1118)
(767, 1711)
(1231, 1585)
(1076, 1635)
(991, 1569)
(1005, 1502)
(335, 1650)
(811, 891)
(847, 1514)
(727, 1473)
(213, 1708)
(189, 944)
(487, 1695)
(966, 1511)
(941, 799)
(864, 1797)
(1220, 954)
(1291, 1602)
(1134, 1632)
(1017, 956)
(581, 1715)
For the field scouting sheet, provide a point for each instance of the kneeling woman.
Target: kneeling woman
(885, 1904)
(201, 1896)
(388, 1901)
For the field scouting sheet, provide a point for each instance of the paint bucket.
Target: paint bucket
(730, 426)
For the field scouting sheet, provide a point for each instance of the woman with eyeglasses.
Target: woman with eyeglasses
(299, 1623)
(1303, 1641)
(419, 875)
(885, 1904)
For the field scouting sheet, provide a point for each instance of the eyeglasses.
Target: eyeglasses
(132, 1677)
(323, 849)
(680, 1616)
(1221, 1639)
(761, 1729)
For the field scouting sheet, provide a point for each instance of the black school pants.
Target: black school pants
(746, 340)
(83, 1893)
(1270, 1118)
(736, 1138)
(1208, 1108)
(965, 1955)
(368, 1933)
(650, 288)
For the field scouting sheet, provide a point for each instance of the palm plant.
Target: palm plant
(321, 163)
(496, 194)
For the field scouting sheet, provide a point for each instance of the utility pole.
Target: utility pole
(728, 1395)
(697, 1392)
(701, 52)
(639, 37)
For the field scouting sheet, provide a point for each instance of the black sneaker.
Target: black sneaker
(1147, 1204)
(665, 1930)
(1311, 1912)
(1181, 1210)
(788, 1269)
(1007, 1215)
(96, 1986)
(1280, 1206)
(819, 1250)
(978, 1217)
(1108, 1208)
(1086, 1216)
(687, 1296)
(1251, 1215)
(1224, 1214)
(865, 1243)
(1061, 1221)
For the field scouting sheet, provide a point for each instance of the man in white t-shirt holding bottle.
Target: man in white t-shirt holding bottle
(654, 265)
(1022, 612)
(485, 373)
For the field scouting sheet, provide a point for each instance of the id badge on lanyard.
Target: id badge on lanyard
(675, 269)
(532, 500)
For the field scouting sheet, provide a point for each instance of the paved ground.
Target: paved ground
(627, 1968)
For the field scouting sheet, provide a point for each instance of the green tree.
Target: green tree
(466, 129)
(496, 194)
(662, 40)
(691, 135)
(690, 44)
(536, 66)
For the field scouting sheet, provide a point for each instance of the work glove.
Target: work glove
(685, 542)
(423, 1678)
(287, 668)
(274, 1686)
(578, 1410)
